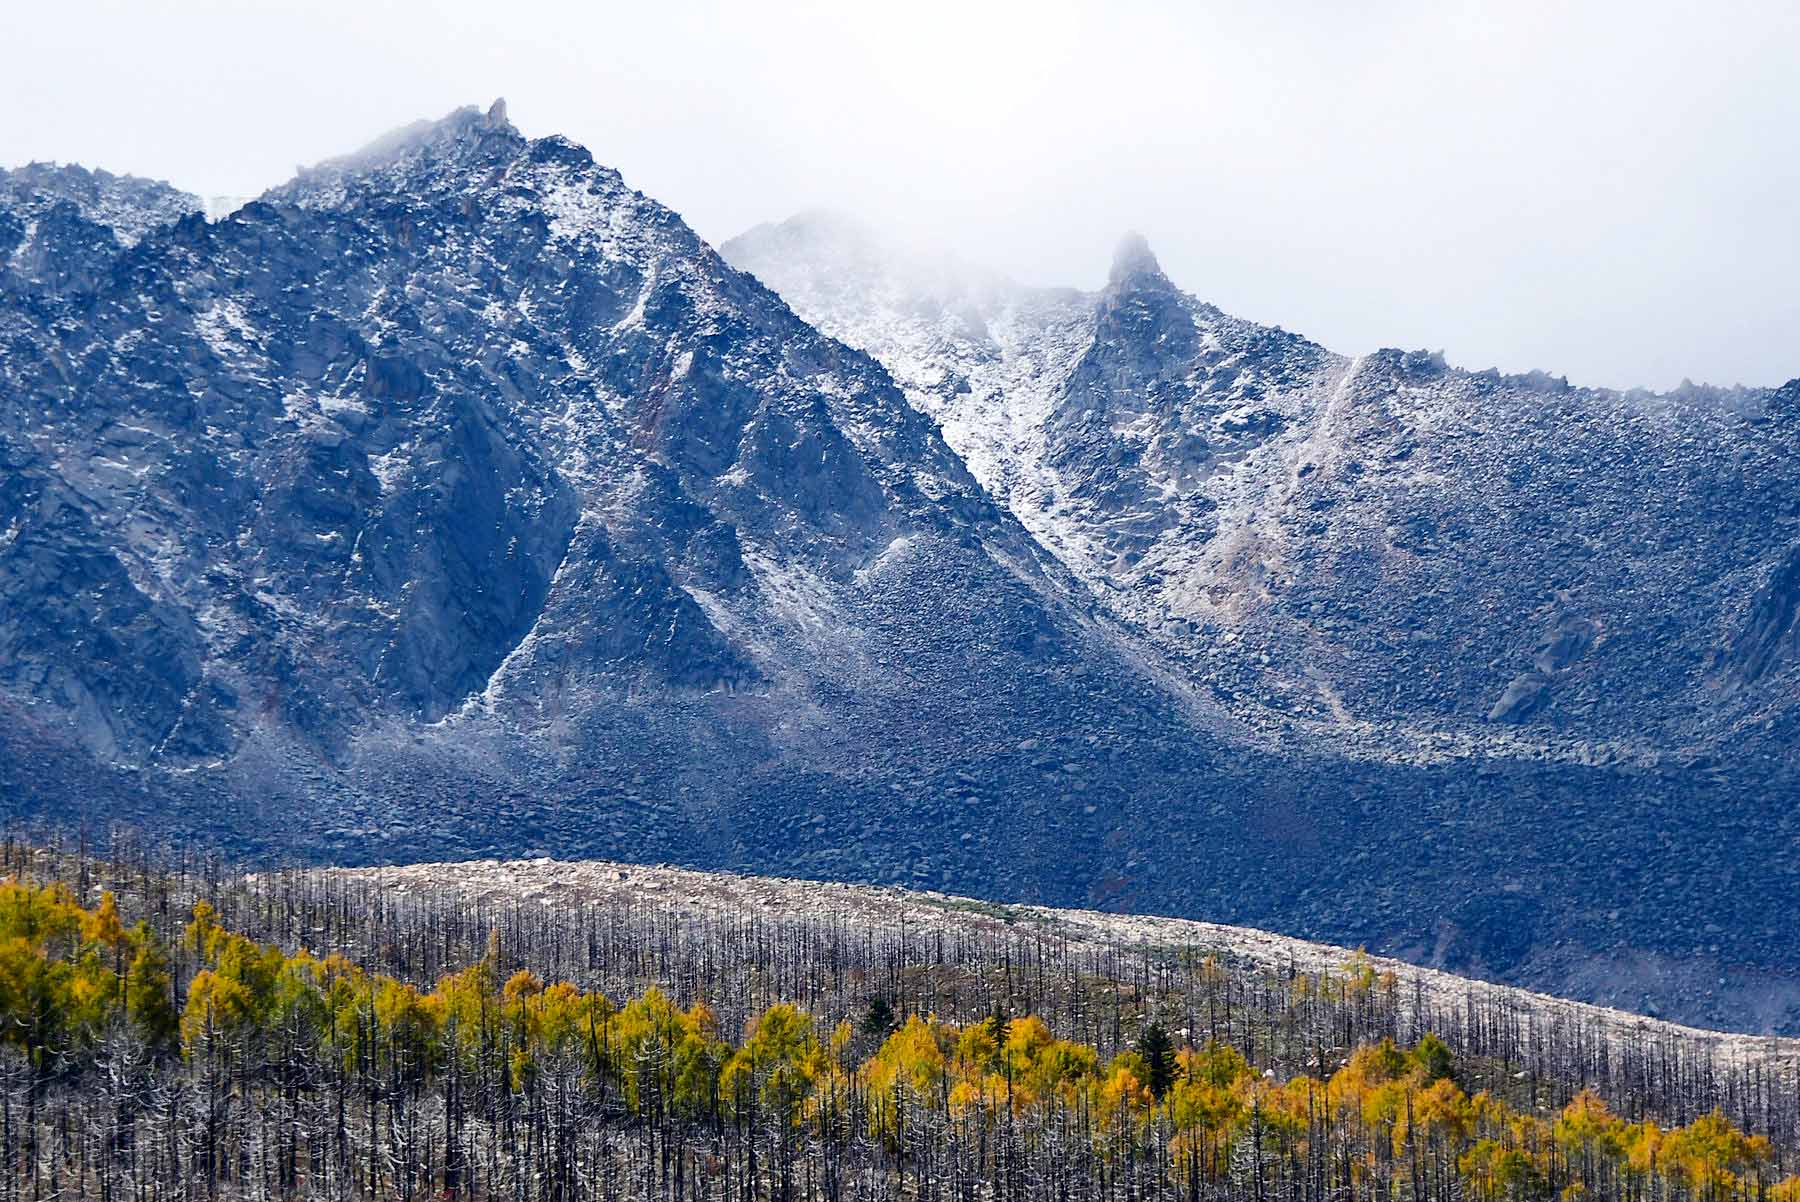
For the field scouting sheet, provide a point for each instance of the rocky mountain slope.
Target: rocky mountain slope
(455, 495)
(455, 499)
(1408, 557)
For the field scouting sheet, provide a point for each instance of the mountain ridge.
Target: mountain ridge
(455, 498)
(1181, 434)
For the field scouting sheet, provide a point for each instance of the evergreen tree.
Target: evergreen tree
(879, 1018)
(1001, 1025)
(1433, 1057)
(1158, 1051)
(147, 989)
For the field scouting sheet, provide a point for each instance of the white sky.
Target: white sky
(1608, 190)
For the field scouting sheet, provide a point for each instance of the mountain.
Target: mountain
(383, 443)
(455, 496)
(1559, 602)
(455, 499)
(1408, 558)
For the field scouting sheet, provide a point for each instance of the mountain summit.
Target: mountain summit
(1132, 259)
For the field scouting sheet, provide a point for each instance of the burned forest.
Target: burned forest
(178, 1029)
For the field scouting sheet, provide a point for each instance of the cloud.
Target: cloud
(1601, 189)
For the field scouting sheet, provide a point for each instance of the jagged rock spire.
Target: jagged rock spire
(1132, 259)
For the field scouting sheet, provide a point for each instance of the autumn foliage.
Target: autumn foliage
(239, 1068)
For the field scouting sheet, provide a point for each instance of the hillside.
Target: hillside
(494, 887)
(566, 1031)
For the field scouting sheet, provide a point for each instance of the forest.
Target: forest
(174, 1028)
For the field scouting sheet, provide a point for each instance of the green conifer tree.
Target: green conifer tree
(147, 989)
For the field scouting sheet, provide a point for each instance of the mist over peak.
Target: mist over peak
(1131, 259)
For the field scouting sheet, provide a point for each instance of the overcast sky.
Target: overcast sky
(1606, 190)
